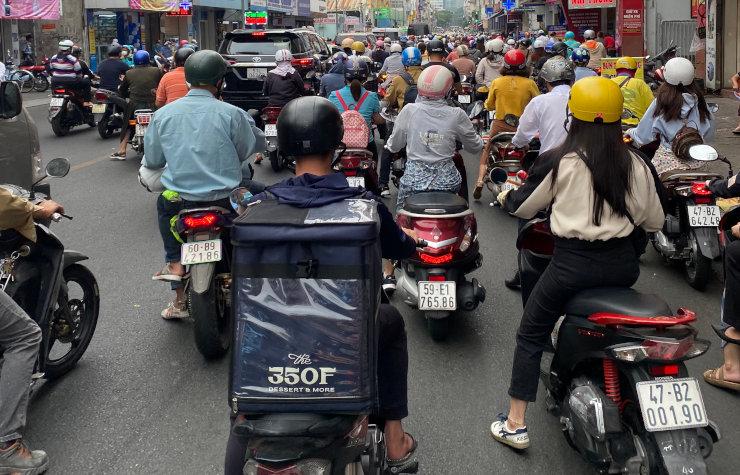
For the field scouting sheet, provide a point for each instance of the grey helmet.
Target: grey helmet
(557, 69)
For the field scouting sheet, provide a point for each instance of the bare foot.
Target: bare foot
(398, 443)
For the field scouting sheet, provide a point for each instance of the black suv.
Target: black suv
(251, 53)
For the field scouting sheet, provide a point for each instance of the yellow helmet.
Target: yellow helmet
(596, 99)
(347, 42)
(358, 47)
(625, 62)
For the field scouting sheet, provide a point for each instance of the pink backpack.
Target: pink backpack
(356, 131)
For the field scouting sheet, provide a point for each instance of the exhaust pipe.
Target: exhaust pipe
(471, 294)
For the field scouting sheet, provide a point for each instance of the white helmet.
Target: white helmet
(66, 45)
(511, 42)
(679, 71)
(462, 50)
(396, 48)
(283, 55)
(435, 82)
(539, 42)
(589, 34)
(496, 46)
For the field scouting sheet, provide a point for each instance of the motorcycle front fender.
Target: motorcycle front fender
(70, 257)
(201, 276)
(708, 241)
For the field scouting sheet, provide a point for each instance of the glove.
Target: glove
(502, 197)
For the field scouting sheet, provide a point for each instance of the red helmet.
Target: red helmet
(515, 59)
(183, 43)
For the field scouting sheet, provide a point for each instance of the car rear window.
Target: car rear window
(263, 44)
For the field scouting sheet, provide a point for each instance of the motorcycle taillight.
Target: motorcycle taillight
(143, 119)
(60, 91)
(200, 221)
(701, 193)
(270, 114)
(101, 96)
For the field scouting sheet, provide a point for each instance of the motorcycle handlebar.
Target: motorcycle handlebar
(420, 244)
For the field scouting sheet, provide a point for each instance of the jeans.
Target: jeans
(19, 344)
(386, 160)
(576, 265)
(393, 363)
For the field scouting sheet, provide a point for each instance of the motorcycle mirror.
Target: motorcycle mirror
(463, 78)
(498, 175)
(57, 168)
(236, 197)
(703, 153)
(713, 107)
(476, 109)
(647, 57)
(310, 74)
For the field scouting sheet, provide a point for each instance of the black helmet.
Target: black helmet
(309, 125)
(560, 49)
(436, 47)
(114, 51)
(204, 68)
(356, 68)
(181, 55)
(76, 51)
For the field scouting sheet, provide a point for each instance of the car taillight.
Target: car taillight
(660, 349)
(259, 33)
(437, 278)
(432, 259)
(200, 221)
(304, 467)
(101, 96)
(302, 62)
(664, 370)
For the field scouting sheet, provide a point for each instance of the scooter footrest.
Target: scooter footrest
(411, 466)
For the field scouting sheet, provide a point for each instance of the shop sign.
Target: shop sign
(255, 18)
(711, 80)
(284, 6)
(609, 71)
(351, 20)
(583, 20)
(578, 4)
(632, 19)
(48, 27)
(154, 5)
(303, 7)
(31, 9)
(184, 9)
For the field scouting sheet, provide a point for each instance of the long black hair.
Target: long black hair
(669, 101)
(602, 149)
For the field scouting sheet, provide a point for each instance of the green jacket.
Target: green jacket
(140, 84)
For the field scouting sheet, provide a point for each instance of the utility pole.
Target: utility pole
(243, 20)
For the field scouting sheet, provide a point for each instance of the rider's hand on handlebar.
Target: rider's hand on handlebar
(48, 208)
(411, 233)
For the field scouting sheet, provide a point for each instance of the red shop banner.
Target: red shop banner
(632, 16)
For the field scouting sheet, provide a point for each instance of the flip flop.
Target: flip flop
(716, 377)
(721, 333)
(167, 276)
(407, 464)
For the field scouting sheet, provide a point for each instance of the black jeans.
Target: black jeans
(576, 265)
(393, 363)
(731, 298)
(386, 159)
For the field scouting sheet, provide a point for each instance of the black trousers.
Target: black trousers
(393, 363)
(81, 85)
(731, 299)
(576, 265)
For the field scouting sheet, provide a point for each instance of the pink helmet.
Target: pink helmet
(435, 82)
(379, 43)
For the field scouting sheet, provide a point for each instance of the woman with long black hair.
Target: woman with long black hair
(598, 193)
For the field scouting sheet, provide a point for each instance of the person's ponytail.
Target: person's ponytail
(356, 88)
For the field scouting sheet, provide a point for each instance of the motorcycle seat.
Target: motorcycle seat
(618, 300)
(435, 203)
(295, 425)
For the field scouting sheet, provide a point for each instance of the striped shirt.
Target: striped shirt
(64, 66)
(172, 86)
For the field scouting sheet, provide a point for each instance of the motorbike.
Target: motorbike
(20, 76)
(466, 94)
(654, 66)
(140, 122)
(690, 235)
(109, 110)
(41, 79)
(434, 279)
(359, 168)
(616, 376)
(51, 286)
(479, 116)
(67, 109)
(277, 160)
(206, 254)
(514, 162)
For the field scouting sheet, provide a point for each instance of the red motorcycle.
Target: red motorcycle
(434, 279)
(41, 79)
(360, 169)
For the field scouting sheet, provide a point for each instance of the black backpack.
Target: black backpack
(409, 97)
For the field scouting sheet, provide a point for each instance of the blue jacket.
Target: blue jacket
(311, 191)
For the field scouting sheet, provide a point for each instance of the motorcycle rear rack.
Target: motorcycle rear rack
(683, 316)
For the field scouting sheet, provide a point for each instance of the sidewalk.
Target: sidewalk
(726, 118)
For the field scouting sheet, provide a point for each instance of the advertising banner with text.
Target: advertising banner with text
(576, 4)
(31, 10)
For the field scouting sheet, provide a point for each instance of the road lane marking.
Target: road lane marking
(88, 163)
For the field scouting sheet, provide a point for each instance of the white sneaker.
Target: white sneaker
(519, 439)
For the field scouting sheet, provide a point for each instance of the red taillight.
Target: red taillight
(231, 62)
(682, 317)
(259, 33)
(143, 119)
(516, 154)
(101, 96)
(60, 91)
(668, 349)
(200, 221)
(302, 62)
(431, 259)
(664, 370)
(349, 172)
(699, 188)
(437, 278)
(270, 114)
(702, 200)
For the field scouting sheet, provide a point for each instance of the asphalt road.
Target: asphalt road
(143, 400)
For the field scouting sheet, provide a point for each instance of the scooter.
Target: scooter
(515, 162)
(434, 279)
(269, 119)
(466, 94)
(140, 122)
(109, 109)
(67, 109)
(616, 378)
(360, 169)
(690, 235)
(51, 286)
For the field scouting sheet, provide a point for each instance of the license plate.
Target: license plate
(509, 186)
(356, 181)
(199, 252)
(140, 129)
(56, 102)
(437, 295)
(256, 73)
(271, 130)
(98, 109)
(703, 216)
(463, 99)
(491, 114)
(671, 404)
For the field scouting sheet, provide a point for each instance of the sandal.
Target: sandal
(258, 157)
(167, 275)
(478, 191)
(716, 377)
(175, 311)
(721, 333)
(118, 156)
(406, 464)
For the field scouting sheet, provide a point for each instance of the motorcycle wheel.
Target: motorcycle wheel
(275, 161)
(24, 79)
(57, 127)
(104, 130)
(211, 316)
(40, 84)
(439, 328)
(77, 328)
(652, 463)
(698, 268)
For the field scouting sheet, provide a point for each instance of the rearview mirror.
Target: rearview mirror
(703, 153)
(57, 168)
(11, 103)
(713, 107)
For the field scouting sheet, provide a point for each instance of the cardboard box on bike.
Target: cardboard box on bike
(306, 293)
